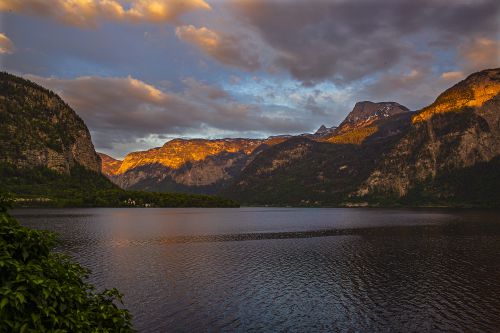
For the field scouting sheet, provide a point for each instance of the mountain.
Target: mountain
(445, 154)
(308, 171)
(48, 159)
(473, 92)
(185, 165)
(323, 131)
(457, 133)
(37, 128)
(366, 113)
(208, 166)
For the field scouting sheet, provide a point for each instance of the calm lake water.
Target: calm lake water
(300, 270)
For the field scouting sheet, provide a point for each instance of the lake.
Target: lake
(290, 269)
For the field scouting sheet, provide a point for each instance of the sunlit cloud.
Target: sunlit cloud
(6, 45)
(90, 12)
(452, 76)
(227, 49)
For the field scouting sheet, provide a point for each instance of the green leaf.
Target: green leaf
(23, 328)
(3, 303)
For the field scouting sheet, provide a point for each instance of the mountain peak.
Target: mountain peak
(474, 91)
(365, 113)
(322, 129)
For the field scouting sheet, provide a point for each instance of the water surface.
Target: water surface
(269, 269)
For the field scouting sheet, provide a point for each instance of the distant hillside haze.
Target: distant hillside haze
(381, 151)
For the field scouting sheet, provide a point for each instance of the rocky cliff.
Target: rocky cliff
(37, 128)
(459, 130)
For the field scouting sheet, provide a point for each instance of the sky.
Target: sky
(141, 72)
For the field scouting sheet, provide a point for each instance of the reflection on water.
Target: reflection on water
(298, 270)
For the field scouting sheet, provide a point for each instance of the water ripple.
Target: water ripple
(322, 271)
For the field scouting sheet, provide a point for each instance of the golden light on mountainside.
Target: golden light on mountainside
(356, 136)
(176, 153)
(459, 97)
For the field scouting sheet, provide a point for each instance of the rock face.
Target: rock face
(459, 130)
(366, 113)
(37, 128)
(194, 165)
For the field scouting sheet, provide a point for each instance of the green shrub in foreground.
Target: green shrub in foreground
(42, 291)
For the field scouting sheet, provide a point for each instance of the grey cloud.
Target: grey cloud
(201, 89)
(479, 53)
(348, 40)
(415, 89)
(313, 107)
(419, 86)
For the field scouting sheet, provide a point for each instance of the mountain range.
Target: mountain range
(447, 153)
(382, 153)
(208, 166)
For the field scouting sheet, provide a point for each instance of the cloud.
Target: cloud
(421, 85)
(199, 89)
(479, 53)
(414, 89)
(452, 76)
(230, 50)
(89, 12)
(123, 111)
(6, 45)
(344, 41)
